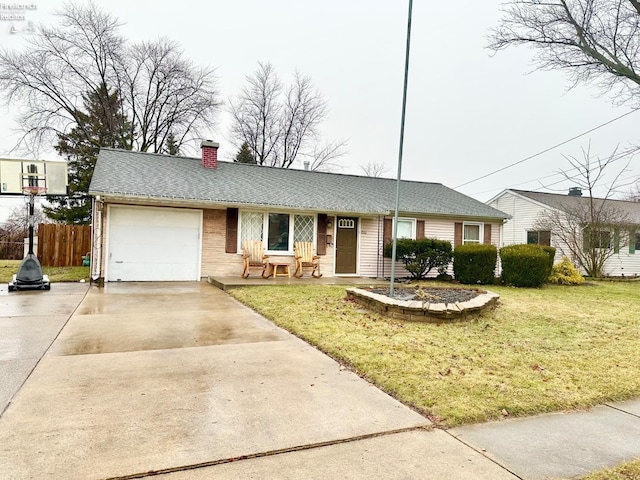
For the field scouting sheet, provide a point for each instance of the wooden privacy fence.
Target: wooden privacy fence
(63, 245)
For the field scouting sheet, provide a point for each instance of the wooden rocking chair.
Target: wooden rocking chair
(253, 256)
(304, 257)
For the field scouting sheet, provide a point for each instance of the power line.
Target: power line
(547, 149)
(615, 158)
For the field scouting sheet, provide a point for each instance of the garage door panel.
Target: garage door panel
(131, 235)
(154, 272)
(141, 253)
(153, 244)
(160, 217)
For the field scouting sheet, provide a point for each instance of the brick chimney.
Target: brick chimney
(209, 154)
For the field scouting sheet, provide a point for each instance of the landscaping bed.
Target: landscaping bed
(425, 304)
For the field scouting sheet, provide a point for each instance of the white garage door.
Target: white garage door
(153, 244)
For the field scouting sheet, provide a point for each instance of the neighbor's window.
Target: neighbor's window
(596, 238)
(637, 241)
(603, 239)
(471, 233)
(407, 228)
(282, 229)
(539, 237)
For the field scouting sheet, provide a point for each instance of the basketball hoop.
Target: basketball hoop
(34, 190)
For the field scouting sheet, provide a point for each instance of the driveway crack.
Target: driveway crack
(269, 453)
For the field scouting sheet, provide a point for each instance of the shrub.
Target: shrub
(565, 273)
(421, 256)
(475, 263)
(551, 252)
(525, 265)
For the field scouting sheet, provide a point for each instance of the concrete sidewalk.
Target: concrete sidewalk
(560, 445)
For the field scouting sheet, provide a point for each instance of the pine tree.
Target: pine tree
(101, 124)
(172, 147)
(244, 155)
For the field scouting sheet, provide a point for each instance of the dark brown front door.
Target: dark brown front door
(347, 245)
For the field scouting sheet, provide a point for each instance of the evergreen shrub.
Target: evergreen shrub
(422, 255)
(565, 273)
(475, 263)
(525, 265)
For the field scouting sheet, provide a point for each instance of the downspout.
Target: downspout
(500, 245)
(380, 253)
(96, 241)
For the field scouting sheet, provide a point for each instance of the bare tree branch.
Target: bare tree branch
(325, 157)
(280, 123)
(375, 169)
(162, 91)
(256, 112)
(593, 41)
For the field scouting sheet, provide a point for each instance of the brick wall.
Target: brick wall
(215, 261)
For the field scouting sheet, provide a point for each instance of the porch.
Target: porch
(225, 283)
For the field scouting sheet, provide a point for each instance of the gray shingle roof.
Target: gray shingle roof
(563, 202)
(135, 174)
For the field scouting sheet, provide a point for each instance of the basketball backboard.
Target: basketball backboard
(16, 174)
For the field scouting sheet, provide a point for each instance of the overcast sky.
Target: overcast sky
(468, 113)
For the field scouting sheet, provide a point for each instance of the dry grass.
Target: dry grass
(542, 350)
(56, 274)
(627, 471)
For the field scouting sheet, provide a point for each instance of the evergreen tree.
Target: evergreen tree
(244, 155)
(172, 147)
(101, 124)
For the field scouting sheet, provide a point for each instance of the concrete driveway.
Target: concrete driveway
(29, 323)
(182, 381)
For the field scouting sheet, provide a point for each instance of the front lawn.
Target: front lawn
(56, 274)
(541, 350)
(627, 471)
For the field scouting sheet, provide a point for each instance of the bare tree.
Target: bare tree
(14, 230)
(166, 95)
(633, 195)
(280, 123)
(163, 93)
(256, 115)
(593, 41)
(375, 169)
(589, 229)
(327, 156)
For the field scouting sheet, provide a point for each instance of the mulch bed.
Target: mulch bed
(432, 295)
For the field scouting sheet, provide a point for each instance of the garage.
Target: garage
(153, 244)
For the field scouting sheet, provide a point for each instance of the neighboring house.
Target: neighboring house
(161, 217)
(526, 207)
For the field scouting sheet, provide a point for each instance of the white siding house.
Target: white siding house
(526, 207)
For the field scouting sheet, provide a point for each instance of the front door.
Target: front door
(347, 246)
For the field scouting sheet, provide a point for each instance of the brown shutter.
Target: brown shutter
(231, 245)
(457, 234)
(321, 245)
(487, 233)
(387, 231)
(419, 229)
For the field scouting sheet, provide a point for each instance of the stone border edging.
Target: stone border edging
(415, 310)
